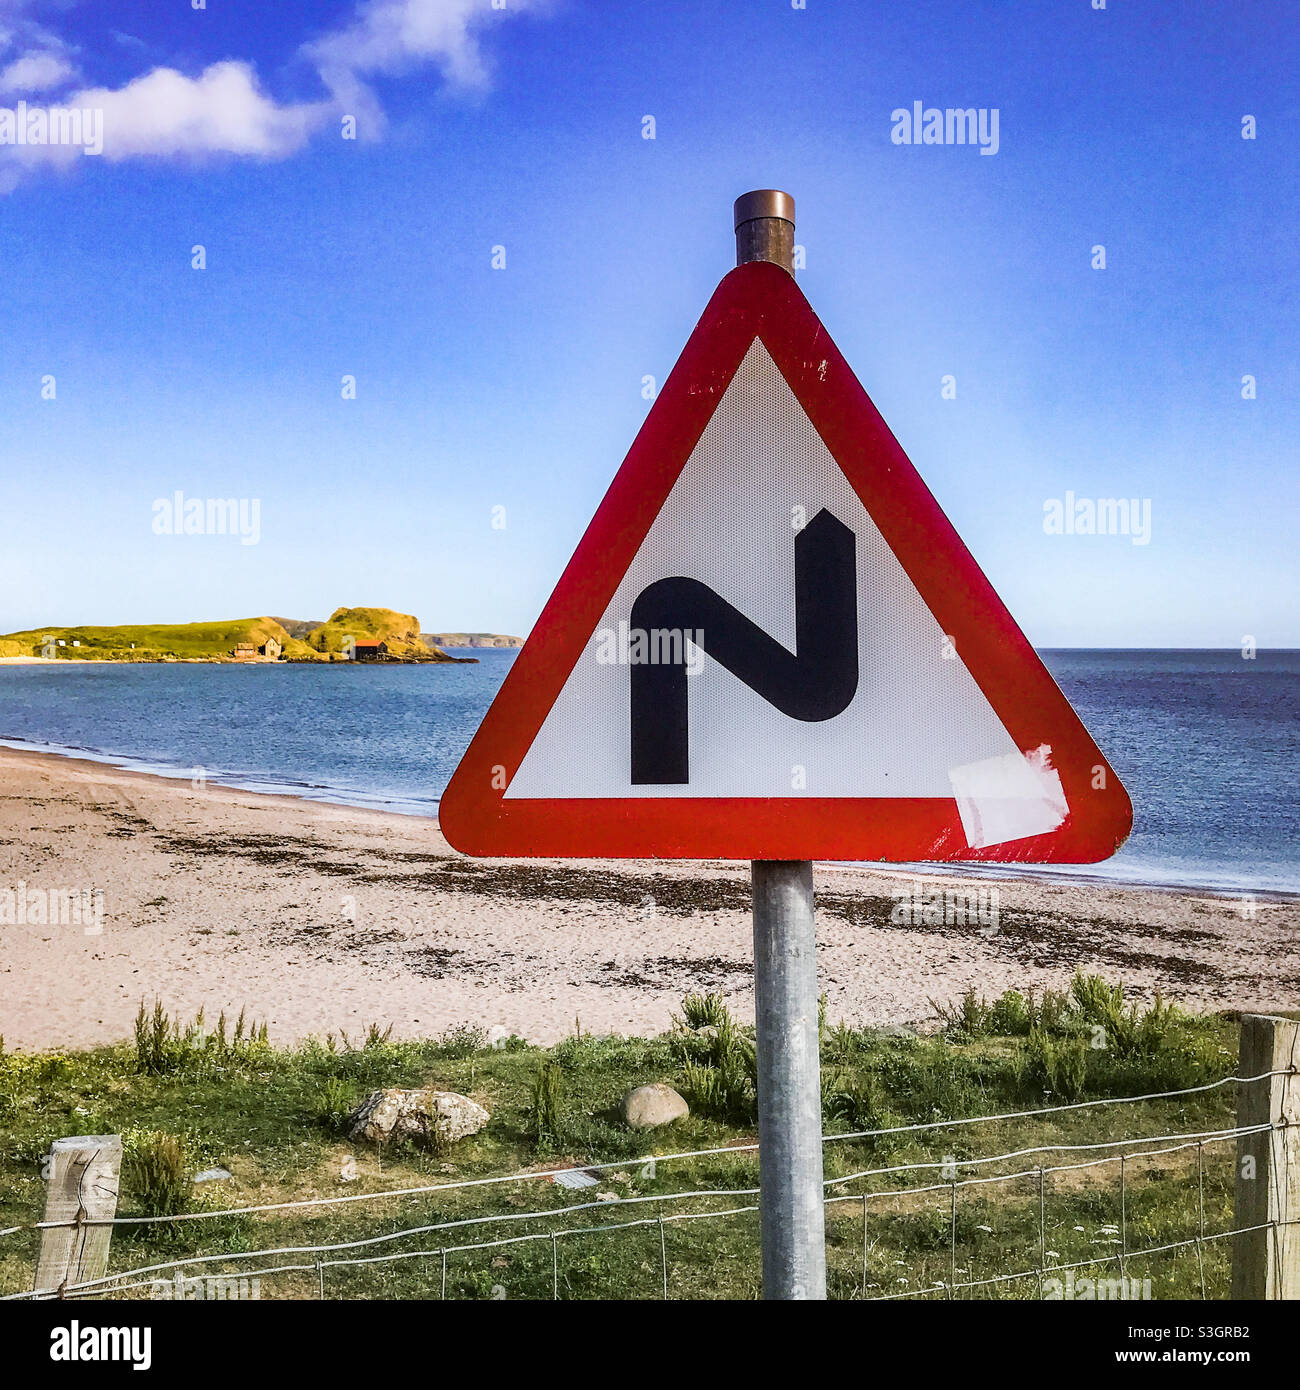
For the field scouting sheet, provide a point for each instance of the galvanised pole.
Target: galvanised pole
(791, 1210)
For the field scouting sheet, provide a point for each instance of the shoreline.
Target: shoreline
(1083, 875)
(138, 767)
(317, 917)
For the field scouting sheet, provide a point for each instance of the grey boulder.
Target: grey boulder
(648, 1107)
(436, 1117)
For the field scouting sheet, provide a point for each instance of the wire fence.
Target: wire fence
(443, 1244)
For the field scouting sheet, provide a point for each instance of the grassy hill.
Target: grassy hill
(401, 631)
(160, 642)
(215, 641)
(298, 627)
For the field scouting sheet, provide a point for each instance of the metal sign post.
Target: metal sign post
(791, 1210)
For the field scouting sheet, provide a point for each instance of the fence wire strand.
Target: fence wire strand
(113, 1284)
(548, 1173)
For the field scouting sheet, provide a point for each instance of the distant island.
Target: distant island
(349, 634)
(470, 639)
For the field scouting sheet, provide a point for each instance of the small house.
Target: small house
(271, 647)
(369, 651)
(244, 651)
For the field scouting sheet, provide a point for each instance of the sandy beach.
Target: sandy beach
(318, 918)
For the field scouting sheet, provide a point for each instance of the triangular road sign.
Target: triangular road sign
(771, 644)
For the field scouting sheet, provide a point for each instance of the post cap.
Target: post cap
(764, 202)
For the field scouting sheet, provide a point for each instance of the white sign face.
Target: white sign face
(770, 643)
(918, 724)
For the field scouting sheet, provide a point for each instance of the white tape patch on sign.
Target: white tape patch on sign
(758, 474)
(1007, 798)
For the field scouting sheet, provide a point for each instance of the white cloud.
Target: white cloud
(35, 72)
(393, 35)
(224, 110)
(396, 36)
(34, 58)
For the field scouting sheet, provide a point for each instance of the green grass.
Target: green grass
(163, 1044)
(189, 1096)
(217, 640)
(157, 1172)
(157, 642)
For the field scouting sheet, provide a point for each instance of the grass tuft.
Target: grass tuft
(545, 1119)
(164, 1045)
(703, 1011)
(157, 1172)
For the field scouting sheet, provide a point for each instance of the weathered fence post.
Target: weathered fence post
(81, 1186)
(1266, 1261)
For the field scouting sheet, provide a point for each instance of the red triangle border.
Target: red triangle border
(761, 300)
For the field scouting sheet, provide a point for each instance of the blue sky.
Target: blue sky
(521, 388)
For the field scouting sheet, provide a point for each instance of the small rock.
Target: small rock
(648, 1107)
(212, 1175)
(896, 1030)
(394, 1114)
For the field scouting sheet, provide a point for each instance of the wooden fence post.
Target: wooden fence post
(82, 1186)
(1266, 1262)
